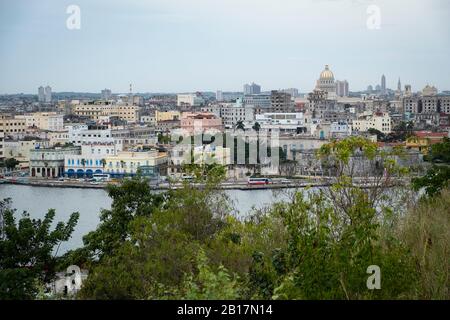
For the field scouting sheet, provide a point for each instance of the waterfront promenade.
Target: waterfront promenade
(277, 183)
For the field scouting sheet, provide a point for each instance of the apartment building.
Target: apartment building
(50, 121)
(97, 111)
(11, 125)
(378, 121)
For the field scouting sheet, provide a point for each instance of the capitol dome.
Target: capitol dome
(326, 83)
(327, 74)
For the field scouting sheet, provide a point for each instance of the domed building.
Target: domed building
(326, 82)
(429, 90)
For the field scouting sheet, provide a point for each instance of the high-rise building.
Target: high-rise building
(219, 95)
(383, 84)
(281, 102)
(252, 88)
(228, 96)
(106, 94)
(342, 88)
(189, 99)
(292, 91)
(260, 102)
(41, 94)
(48, 94)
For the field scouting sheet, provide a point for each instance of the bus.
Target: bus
(258, 181)
(99, 177)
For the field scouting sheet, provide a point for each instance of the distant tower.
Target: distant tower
(41, 94)
(399, 85)
(383, 84)
(219, 95)
(131, 91)
(106, 94)
(48, 94)
(342, 88)
(408, 91)
(252, 88)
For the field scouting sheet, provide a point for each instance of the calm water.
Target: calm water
(89, 202)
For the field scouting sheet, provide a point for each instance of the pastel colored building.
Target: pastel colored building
(423, 140)
(49, 163)
(200, 121)
(92, 159)
(127, 163)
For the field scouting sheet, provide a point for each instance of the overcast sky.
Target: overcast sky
(199, 45)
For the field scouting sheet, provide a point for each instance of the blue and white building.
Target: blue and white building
(90, 161)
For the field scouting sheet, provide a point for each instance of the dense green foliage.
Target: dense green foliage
(130, 200)
(434, 181)
(27, 260)
(440, 152)
(11, 163)
(437, 177)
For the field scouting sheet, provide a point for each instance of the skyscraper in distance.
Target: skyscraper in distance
(219, 95)
(342, 88)
(383, 84)
(41, 94)
(106, 94)
(48, 94)
(252, 88)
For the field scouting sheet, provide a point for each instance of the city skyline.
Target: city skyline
(110, 92)
(170, 46)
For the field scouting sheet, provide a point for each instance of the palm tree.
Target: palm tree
(256, 127)
(103, 162)
(83, 163)
(240, 125)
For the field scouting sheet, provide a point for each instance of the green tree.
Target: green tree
(440, 152)
(380, 135)
(132, 198)
(163, 139)
(355, 162)
(436, 179)
(209, 284)
(26, 251)
(157, 248)
(103, 163)
(240, 125)
(328, 253)
(11, 163)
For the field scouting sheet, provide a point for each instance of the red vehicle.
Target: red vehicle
(258, 181)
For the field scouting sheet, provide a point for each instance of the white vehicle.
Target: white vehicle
(186, 177)
(98, 177)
